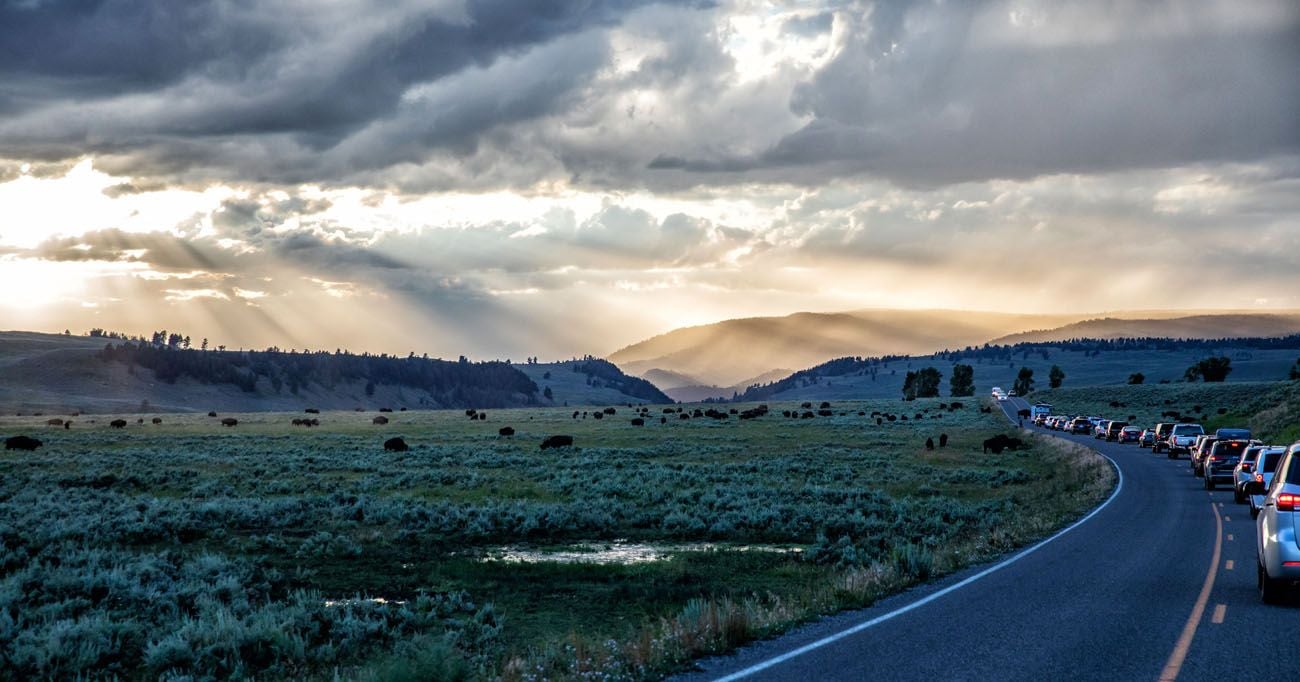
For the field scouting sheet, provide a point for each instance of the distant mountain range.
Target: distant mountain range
(722, 356)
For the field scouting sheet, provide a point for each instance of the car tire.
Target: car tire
(1270, 591)
(1254, 513)
(1209, 483)
(1237, 496)
(1171, 455)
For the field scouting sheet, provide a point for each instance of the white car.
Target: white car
(1262, 473)
(1276, 543)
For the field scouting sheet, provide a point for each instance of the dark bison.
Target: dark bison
(943, 440)
(1002, 442)
(557, 442)
(505, 431)
(683, 415)
(312, 410)
(118, 423)
(472, 414)
(54, 422)
(22, 443)
(482, 416)
(598, 415)
(385, 409)
(381, 420)
(157, 420)
(212, 414)
(955, 406)
(229, 421)
(663, 420)
(638, 422)
(396, 445)
(610, 410)
(929, 443)
(825, 413)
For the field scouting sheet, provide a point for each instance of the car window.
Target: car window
(1270, 461)
(1231, 448)
(1251, 454)
(1292, 474)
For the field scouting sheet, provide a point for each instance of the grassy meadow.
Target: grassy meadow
(188, 550)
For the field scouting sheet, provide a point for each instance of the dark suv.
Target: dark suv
(1160, 444)
(1113, 429)
(1081, 425)
(1222, 459)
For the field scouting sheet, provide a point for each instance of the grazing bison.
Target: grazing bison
(22, 443)
(140, 420)
(1002, 442)
(955, 406)
(824, 406)
(385, 409)
(396, 445)
(879, 421)
(598, 415)
(505, 431)
(663, 420)
(67, 424)
(157, 420)
(557, 442)
(118, 423)
(381, 420)
(212, 414)
(54, 422)
(297, 422)
(312, 410)
(929, 443)
(472, 414)
(575, 414)
(482, 416)
(638, 422)
(229, 421)
(943, 440)
(806, 406)
(825, 413)
(807, 415)
(610, 410)
(683, 415)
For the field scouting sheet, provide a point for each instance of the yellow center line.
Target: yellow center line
(1175, 663)
(1220, 610)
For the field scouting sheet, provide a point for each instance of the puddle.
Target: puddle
(330, 603)
(618, 552)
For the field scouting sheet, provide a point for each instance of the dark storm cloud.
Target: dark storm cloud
(173, 87)
(933, 95)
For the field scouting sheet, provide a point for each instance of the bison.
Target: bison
(1002, 442)
(638, 422)
(118, 423)
(557, 442)
(54, 422)
(212, 414)
(22, 443)
(396, 445)
(312, 410)
(610, 410)
(505, 431)
(229, 421)
(943, 440)
(156, 420)
(598, 415)
(380, 420)
(385, 409)
(929, 443)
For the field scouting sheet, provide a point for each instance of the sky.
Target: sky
(505, 179)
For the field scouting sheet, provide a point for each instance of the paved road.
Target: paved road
(1158, 584)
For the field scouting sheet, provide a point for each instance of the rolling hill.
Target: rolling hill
(1190, 327)
(1253, 360)
(729, 353)
(61, 374)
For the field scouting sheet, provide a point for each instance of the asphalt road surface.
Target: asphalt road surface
(1157, 584)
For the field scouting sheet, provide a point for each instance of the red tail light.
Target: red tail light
(1259, 478)
(1245, 468)
(1287, 502)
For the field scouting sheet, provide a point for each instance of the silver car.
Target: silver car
(1277, 545)
(1265, 465)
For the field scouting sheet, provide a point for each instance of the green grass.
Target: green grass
(275, 519)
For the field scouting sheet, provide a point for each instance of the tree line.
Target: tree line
(451, 384)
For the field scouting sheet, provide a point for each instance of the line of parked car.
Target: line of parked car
(1264, 477)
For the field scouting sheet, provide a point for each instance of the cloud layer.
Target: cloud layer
(566, 177)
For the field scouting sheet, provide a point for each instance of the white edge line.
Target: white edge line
(764, 665)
